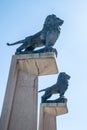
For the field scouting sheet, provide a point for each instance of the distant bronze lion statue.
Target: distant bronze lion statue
(46, 37)
(60, 87)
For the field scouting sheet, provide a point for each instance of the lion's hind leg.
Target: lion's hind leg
(46, 96)
(21, 48)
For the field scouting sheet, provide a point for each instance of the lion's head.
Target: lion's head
(62, 82)
(52, 23)
(63, 78)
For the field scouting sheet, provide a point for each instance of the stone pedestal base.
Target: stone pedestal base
(20, 104)
(48, 113)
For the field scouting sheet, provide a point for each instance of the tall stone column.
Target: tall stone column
(20, 104)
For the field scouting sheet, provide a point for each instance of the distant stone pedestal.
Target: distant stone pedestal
(20, 104)
(48, 113)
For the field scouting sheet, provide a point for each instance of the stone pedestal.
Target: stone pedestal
(48, 113)
(20, 104)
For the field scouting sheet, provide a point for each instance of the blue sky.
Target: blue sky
(20, 18)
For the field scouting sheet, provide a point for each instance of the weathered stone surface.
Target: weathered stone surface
(55, 109)
(48, 113)
(38, 64)
(20, 104)
(46, 121)
(8, 101)
(24, 109)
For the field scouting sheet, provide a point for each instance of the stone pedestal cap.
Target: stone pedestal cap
(55, 109)
(38, 64)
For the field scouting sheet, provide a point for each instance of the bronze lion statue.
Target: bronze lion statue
(46, 37)
(60, 87)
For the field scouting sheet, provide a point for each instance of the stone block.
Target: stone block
(46, 121)
(48, 113)
(55, 109)
(38, 64)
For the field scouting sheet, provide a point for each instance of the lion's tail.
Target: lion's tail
(19, 42)
(42, 90)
